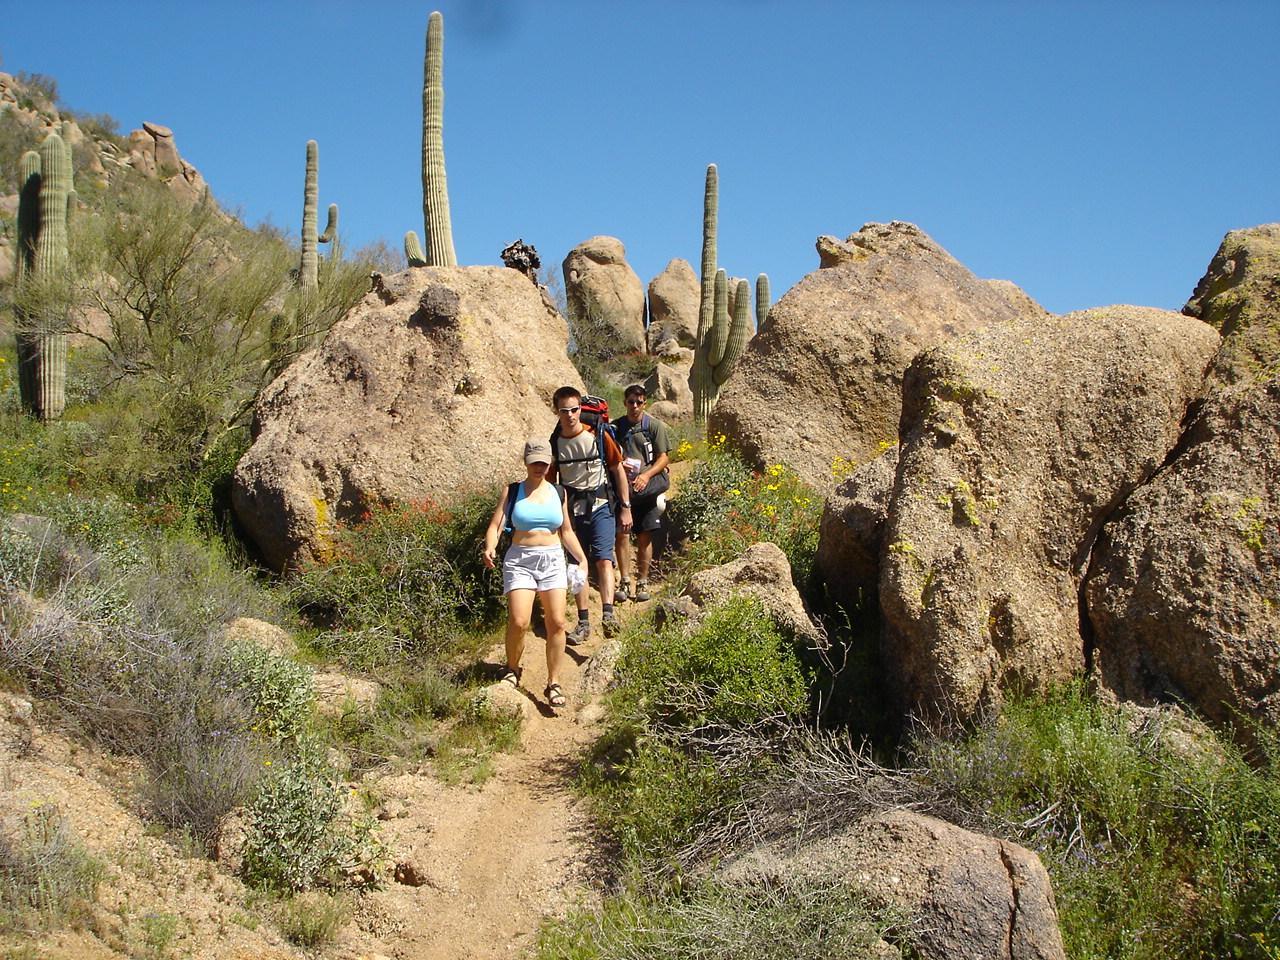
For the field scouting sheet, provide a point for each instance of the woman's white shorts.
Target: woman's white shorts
(533, 568)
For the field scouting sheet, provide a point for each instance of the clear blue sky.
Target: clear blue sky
(1093, 153)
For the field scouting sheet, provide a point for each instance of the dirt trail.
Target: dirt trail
(498, 858)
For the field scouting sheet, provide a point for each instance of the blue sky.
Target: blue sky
(1093, 153)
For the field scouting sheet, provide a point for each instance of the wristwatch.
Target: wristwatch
(625, 505)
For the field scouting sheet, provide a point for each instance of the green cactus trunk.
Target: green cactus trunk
(701, 381)
(309, 267)
(42, 257)
(763, 302)
(437, 228)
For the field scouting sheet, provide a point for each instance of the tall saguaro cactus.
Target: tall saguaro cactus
(309, 267)
(702, 382)
(42, 259)
(437, 227)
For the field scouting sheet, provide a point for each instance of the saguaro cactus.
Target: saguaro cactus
(437, 228)
(701, 381)
(42, 257)
(762, 301)
(309, 267)
(413, 250)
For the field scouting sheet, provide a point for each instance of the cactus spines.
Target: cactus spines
(45, 192)
(413, 250)
(437, 228)
(702, 383)
(762, 301)
(309, 266)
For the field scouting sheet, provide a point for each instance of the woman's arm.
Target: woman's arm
(492, 531)
(570, 539)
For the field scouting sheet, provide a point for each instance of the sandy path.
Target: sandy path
(499, 858)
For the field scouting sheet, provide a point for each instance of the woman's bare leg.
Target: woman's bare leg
(519, 612)
(553, 607)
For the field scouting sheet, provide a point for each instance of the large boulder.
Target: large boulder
(973, 896)
(824, 378)
(1017, 443)
(1239, 296)
(674, 295)
(667, 389)
(605, 298)
(428, 387)
(1184, 588)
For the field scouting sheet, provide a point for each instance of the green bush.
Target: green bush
(734, 669)
(298, 836)
(1154, 850)
(686, 701)
(407, 580)
(313, 919)
(722, 507)
(45, 873)
(278, 689)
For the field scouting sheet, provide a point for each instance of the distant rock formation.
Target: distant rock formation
(430, 386)
(824, 379)
(673, 306)
(605, 298)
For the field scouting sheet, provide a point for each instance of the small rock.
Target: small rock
(409, 873)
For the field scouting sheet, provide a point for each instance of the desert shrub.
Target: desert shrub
(46, 875)
(133, 654)
(723, 507)
(298, 836)
(712, 920)
(686, 702)
(403, 723)
(278, 689)
(408, 580)
(1154, 850)
(313, 919)
(733, 669)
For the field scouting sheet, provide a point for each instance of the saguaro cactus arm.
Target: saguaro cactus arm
(739, 334)
(330, 234)
(762, 301)
(437, 227)
(413, 250)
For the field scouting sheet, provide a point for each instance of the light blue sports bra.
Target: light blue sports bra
(532, 515)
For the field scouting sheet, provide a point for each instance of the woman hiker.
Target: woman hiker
(534, 564)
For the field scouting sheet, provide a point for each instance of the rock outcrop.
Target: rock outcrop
(972, 895)
(762, 572)
(851, 533)
(667, 389)
(1184, 588)
(430, 386)
(673, 305)
(1239, 296)
(605, 298)
(824, 379)
(1017, 443)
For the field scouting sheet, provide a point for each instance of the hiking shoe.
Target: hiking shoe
(610, 624)
(642, 590)
(579, 634)
(623, 593)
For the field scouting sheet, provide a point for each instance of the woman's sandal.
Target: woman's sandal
(511, 675)
(554, 695)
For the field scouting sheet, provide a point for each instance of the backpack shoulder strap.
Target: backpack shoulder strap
(513, 490)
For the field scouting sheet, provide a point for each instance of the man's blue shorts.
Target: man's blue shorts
(597, 532)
